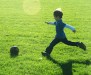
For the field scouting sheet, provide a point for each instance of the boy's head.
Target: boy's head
(58, 14)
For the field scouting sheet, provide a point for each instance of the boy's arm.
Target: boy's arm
(70, 27)
(52, 23)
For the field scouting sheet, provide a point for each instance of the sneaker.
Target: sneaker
(45, 54)
(82, 46)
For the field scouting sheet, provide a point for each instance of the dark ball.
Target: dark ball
(14, 51)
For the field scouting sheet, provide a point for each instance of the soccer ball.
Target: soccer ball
(14, 51)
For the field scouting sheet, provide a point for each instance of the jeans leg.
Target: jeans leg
(65, 41)
(52, 44)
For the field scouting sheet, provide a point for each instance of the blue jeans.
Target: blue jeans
(56, 41)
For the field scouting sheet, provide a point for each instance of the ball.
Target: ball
(14, 51)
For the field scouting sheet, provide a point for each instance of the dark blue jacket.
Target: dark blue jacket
(60, 29)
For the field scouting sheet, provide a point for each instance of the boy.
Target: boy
(60, 35)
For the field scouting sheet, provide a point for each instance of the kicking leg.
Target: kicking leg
(78, 44)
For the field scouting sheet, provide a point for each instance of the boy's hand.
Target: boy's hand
(47, 22)
(74, 31)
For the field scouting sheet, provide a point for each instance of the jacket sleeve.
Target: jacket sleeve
(70, 27)
(52, 23)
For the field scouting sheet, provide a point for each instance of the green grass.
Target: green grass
(32, 36)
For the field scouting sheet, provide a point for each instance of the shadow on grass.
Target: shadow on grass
(67, 67)
(13, 56)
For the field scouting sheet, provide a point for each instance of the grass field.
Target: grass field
(31, 35)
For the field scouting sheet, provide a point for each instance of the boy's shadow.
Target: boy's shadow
(67, 67)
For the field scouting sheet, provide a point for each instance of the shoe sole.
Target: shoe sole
(45, 54)
(83, 46)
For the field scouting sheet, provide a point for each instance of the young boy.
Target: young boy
(60, 35)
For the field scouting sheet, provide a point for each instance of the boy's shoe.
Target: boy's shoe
(82, 46)
(45, 54)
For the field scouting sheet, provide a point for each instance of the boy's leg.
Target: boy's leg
(52, 44)
(65, 41)
(78, 44)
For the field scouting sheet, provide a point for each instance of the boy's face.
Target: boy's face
(56, 18)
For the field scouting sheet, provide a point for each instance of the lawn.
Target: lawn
(22, 25)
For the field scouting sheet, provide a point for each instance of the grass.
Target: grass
(32, 36)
